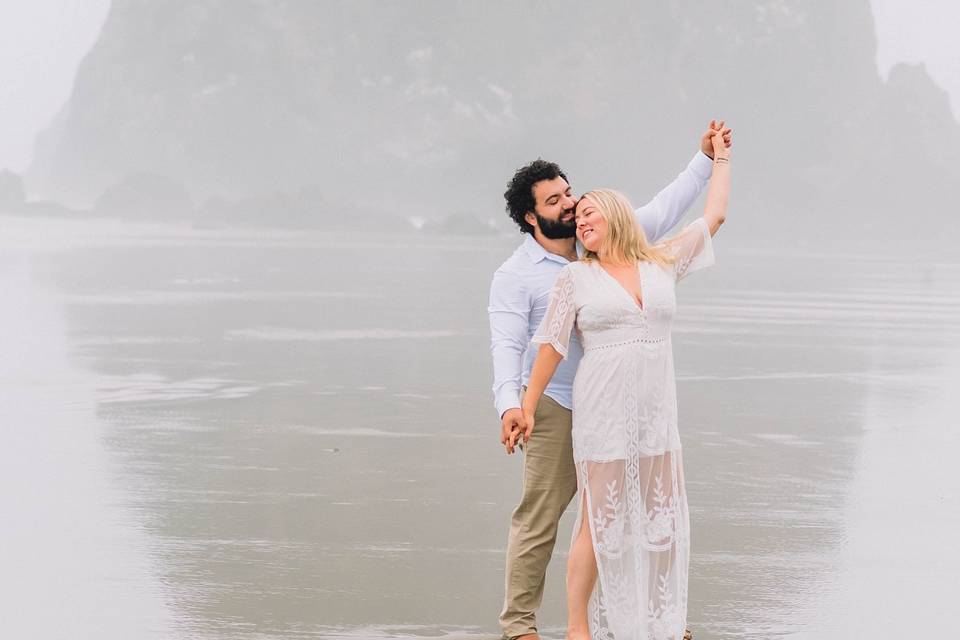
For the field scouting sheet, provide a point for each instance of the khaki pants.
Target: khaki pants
(549, 484)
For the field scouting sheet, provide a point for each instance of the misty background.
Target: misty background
(216, 112)
(245, 252)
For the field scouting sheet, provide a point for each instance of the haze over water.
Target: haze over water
(227, 433)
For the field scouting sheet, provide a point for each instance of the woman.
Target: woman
(627, 570)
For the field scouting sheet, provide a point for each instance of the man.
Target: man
(541, 202)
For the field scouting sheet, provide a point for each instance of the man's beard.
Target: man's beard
(556, 229)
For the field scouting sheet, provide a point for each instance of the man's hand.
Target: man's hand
(511, 424)
(706, 140)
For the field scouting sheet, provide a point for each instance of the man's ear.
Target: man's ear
(530, 218)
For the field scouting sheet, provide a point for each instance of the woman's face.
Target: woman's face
(591, 225)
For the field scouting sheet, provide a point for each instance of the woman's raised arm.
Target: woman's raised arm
(715, 211)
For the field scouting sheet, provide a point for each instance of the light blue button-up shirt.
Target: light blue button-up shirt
(521, 289)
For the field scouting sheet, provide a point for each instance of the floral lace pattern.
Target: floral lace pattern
(625, 438)
(640, 532)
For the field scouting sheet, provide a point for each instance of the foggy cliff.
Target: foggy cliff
(390, 110)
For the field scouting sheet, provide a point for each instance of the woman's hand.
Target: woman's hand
(517, 430)
(706, 140)
(720, 146)
(520, 434)
(512, 438)
(528, 422)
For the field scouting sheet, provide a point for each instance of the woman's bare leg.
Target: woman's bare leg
(581, 577)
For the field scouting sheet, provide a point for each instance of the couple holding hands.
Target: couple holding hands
(594, 405)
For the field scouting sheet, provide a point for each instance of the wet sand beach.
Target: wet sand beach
(229, 433)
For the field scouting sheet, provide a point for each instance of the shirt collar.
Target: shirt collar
(537, 253)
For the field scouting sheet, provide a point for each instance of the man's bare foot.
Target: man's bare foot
(688, 635)
(578, 635)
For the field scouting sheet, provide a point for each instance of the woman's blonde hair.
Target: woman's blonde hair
(625, 241)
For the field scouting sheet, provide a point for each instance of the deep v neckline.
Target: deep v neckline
(638, 305)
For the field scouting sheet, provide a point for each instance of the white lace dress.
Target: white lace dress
(625, 440)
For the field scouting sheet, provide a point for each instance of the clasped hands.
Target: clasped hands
(516, 428)
(717, 139)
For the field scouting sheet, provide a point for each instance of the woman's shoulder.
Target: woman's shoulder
(581, 266)
(578, 269)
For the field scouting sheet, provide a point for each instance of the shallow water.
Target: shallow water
(249, 434)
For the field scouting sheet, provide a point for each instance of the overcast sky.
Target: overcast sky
(42, 42)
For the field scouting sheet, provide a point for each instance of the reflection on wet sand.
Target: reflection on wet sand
(898, 564)
(254, 440)
(76, 562)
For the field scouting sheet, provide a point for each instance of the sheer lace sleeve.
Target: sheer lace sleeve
(557, 324)
(692, 248)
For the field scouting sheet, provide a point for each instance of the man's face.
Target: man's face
(554, 209)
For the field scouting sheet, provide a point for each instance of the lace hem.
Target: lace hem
(553, 342)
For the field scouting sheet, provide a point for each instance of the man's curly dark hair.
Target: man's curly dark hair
(519, 193)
